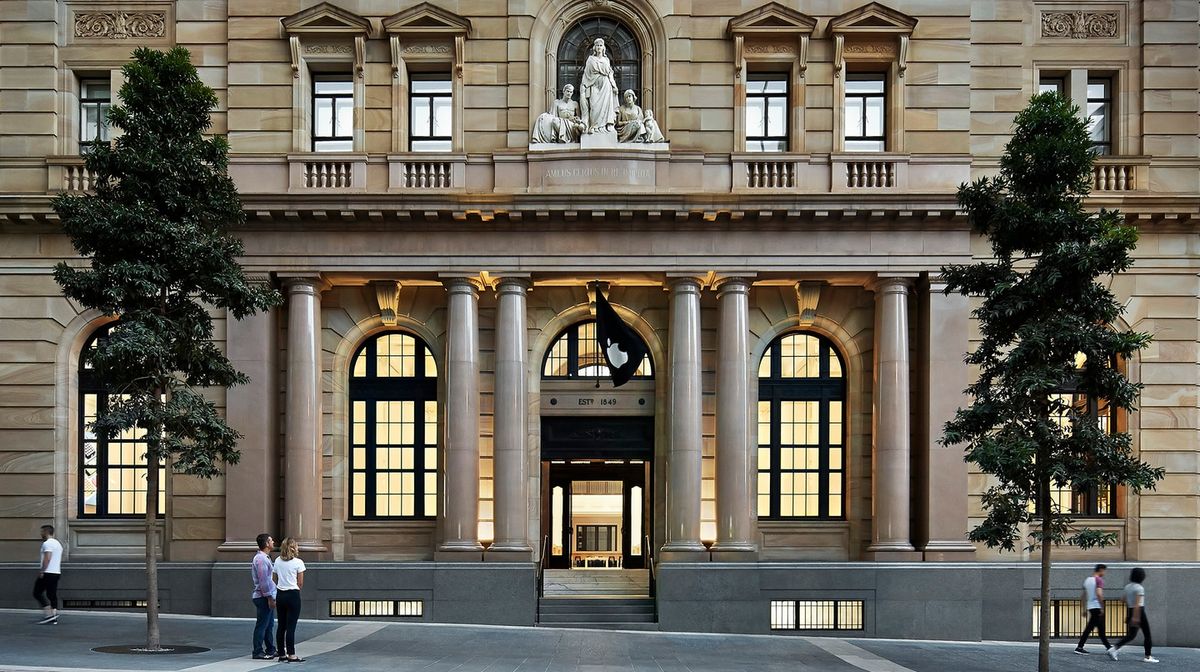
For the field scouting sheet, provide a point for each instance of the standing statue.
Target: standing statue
(598, 91)
(634, 125)
(561, 123)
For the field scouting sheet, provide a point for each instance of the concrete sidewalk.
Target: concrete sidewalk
(363, 646)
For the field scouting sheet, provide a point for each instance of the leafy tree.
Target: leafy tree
(155, 234)
(1042, 301)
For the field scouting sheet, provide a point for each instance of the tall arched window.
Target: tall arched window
(619, 42)
(801, 429)
(394, 429)
(112, 472)
(1096, 500)
(575, 354)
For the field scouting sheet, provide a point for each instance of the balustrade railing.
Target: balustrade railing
(328, 174)
(427, 175)
(1114, 177)
(770, 174)
(870, 174)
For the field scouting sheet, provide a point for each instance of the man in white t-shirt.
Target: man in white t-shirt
(45, 589)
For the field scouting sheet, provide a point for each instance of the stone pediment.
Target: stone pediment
(326, 19)
(873, 18)
(427, 19)
(771, 19)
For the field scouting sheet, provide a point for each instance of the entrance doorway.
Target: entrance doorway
(596, 514)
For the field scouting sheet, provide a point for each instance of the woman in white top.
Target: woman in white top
(289, 577)
(1135, 600)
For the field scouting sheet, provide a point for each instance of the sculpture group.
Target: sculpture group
(597, 111)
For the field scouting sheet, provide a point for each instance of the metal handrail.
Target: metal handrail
(541, 564)
(649, 563)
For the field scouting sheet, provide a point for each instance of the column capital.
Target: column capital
(514, 283)
(892, 284)
(686, 283)
(461, 284)
(305, 282)
(737, 283)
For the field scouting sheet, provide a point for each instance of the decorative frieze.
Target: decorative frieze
(770, 48)
(345, 49)
(1081, 24)
(121, 25)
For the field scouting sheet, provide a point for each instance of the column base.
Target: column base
(246, 547)
(508, 554)
(310, 546)
(892, 552)
(948, 551)
(734, 551)
(459, 551)
(683, 551)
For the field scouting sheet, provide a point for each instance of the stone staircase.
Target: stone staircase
(607, 599)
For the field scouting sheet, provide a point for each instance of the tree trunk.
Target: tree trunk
(153, 642)
(1044, 631)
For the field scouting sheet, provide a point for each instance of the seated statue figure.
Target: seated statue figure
(631, 126)
(561, 123)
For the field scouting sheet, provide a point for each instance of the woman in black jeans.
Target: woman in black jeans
(289, 577)
(1135, 599)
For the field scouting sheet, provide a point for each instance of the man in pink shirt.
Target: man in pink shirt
(263, 597)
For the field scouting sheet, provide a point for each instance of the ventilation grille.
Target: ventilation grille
(816, 614)
(104, 604)
(376, 608)
(1068, 617)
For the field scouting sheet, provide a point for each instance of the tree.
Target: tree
(155, 232)
(1043, 301)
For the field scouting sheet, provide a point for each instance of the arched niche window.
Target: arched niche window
(394, 429)
(112, 472)
(1096, 500)
(801, 429)
(575, 354)
(620, 44)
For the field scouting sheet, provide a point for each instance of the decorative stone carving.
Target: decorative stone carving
(872, 48)
(634, 125)
(427, 48)
(120, 25)
(328, 49)
(561, 124)
(598, 91)
(769, 48)
(1080, 24)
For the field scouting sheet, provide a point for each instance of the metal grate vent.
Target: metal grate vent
(104, 604)
(816, 614)
(376, 608)
(1068, 617)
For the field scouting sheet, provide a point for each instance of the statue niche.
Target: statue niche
(602, 57)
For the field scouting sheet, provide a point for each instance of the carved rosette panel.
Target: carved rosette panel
(1081, 24)
(120, 25)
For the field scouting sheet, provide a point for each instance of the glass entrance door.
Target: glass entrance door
(595, 514)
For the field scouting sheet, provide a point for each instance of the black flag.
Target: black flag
(623, 349)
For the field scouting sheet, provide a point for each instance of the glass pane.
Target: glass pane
(90, 114)
(755, 117)
(864, 145)
(756, 85)
(556, 521)
(1098, 121)
(873, 84)
(360, 366)
(335, 86)
(345, 117)
(96, 89)
(1050, 86)
(333, 146)
(777, 116)
(431, 145)
(1097, 88)
(874, 116)
(430, 365)
(854, 121)
(431, 86)
(323, 117)
(442, 116)
(420, 117)
(776, 84)
(635, 516)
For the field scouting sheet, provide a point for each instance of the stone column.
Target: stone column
(943, 490)
(683, 461)
(734, 519)
(460, 445)
(302, 437)
(511, 424)
(890, 454)
(252, 485)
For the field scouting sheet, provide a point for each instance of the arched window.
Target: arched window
(801, 429)
(112, 472)
(1095, 500)
(575, 354)
(620, 45)
(394, 429)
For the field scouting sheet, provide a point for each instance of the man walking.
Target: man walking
(263, 597)
(45, 589)
(1093, 589)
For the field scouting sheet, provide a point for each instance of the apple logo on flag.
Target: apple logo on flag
(616, 355)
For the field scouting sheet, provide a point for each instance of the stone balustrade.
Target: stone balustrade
(1120, 173)
(67, 173)
(326, 172)
(424, 171)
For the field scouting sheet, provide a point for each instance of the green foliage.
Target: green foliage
(155, 233)
(1044, 299)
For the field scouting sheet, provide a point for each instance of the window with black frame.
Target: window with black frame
(801, 429)
(767, 112)
(865, 112)
(393, 429)
(620, 45)
(576, 354)
(1099, 111)
(95, 97)
(333, 113)
(431, 112)
(112, 471)
(1093, 501)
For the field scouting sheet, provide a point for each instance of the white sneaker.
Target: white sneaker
(1112, 652)
(1150, 659)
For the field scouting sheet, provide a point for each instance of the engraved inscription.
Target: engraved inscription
(599, 173)
(1080, 25)
(120, 25)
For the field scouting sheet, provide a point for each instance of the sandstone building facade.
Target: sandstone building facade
(427, 412)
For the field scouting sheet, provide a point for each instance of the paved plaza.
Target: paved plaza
(367, 646)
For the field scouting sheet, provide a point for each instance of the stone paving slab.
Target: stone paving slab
(394, 647)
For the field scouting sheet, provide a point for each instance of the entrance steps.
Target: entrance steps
(597, 582)
(597, 613)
